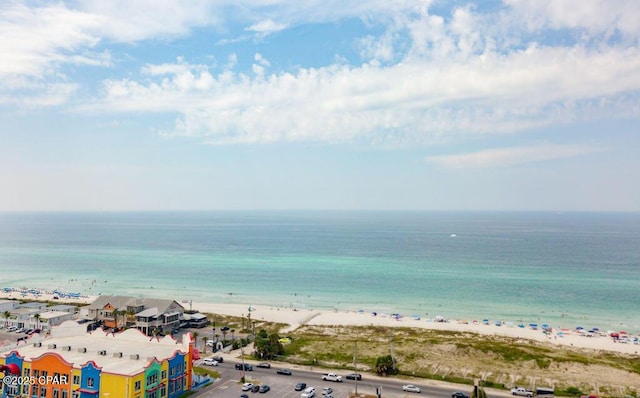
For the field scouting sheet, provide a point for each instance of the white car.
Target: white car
(210, 362)
(247, 386)
(210, 343)
(410, 388)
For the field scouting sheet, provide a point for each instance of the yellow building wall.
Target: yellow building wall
(132, 383)
(114, 385)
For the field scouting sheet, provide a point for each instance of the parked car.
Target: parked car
(354, 376)
(210, 362)
(19, 330)
(219, 359)
(285, 372)
(244, 396)
(266, 365)
(246, 366)
(327, 391)
(300, 386)
(12, 328)
(459, 394)
(247, 386)
(411, 388)
(255, 388)
(264, 388)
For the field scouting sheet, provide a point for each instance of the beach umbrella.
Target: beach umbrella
(579, 328)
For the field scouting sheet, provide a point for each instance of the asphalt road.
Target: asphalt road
(229, 385)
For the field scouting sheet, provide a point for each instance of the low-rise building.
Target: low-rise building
(145, 314)
(72, 309)
(71, 363)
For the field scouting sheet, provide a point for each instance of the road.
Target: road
(229, 385)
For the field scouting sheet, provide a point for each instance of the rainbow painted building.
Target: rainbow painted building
(75, 364)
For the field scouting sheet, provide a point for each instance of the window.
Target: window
(45, 374)
(36, 373)
(26, 372)
(163, 392)
(89, 381)
(43, 392)
(137, 385)
(152, 379)
(76, 379)
(56, 393)
(65, 394)
(164, 375)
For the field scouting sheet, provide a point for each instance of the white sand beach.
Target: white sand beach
(298, 317)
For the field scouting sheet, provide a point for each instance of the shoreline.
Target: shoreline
(298, 317)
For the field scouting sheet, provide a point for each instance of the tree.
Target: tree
(37, 319)
(195, 338)
(267, 346)
(131, 317)
(384, 366)
(6, 316)
(232, 332)
(204, 340)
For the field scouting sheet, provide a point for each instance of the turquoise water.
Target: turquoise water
(564, 269)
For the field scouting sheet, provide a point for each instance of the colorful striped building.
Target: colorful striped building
(74, 364)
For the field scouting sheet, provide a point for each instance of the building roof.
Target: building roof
(32, 305)
(48, 315)
(126, 353)
(61, 307)
(121, 303)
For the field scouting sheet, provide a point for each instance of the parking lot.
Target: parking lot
(281, 386)
(229, 386)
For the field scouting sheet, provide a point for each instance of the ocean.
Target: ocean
(565, 269)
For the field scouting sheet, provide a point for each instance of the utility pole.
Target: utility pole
(355, 366)
(393, 354)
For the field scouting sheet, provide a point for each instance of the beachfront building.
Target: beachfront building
(145, 314)
(7, 305)
(72, 309)
(20, 317)
(47, 319)
(196, 320)
(71, 363)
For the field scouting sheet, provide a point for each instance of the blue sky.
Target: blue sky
(374, 104)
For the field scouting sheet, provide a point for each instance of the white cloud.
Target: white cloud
(503, 157)
(266, 27)
(595, 16)
(33, 40)
(416, 101)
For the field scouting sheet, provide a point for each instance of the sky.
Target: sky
(284, 104)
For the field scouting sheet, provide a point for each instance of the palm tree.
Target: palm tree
(115, 314)
(6, 316)
(204, 339)
(232, 332)
(195, 338)
(37, 319)
(131, 317)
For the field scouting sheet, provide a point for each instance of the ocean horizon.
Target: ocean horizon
(562, 268)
